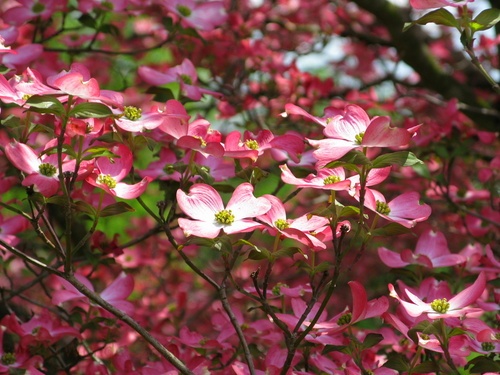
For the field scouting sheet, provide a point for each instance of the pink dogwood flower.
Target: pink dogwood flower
(18, 361)
(115, 293)
(405, 209)
(40, 171)
(253, 145)
(205, 206)
(185, 74)
(457, 306)
(361, 309)
(107, 174)
(430, 4)
(431, 251)
(326, 179)
(300, 229)
(353, 129)
(201, 15)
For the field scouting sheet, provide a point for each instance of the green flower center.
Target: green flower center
(47, 169)
(382, 208)
(359, 138)
(184, 10)
(425, 336)
(331, 179)
(344, 319)
(38, 8)
(186, 79)
(487, 346)
(224, 217)
(440, 305)
(132, 113)
(252, 144)
(281, 224)
(277, 289)
(169, 169)
(107, 180)
(8, 359)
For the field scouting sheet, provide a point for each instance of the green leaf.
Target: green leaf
(161, 94)
(85, 207)
(286, 252)
(66, 149)
(87, 20)
(401, 158)
(90, 110)
(371, 340)
(486, 19)
(333, 348)
(98, 151)
(397, 362)
(347, 211)
(426, 367)
(391, 229)
(45, 104)
(480, 365)
(439, 16)
(223, 244)
(350, 160)
(58, 200)
(259, 254)
(116, 209)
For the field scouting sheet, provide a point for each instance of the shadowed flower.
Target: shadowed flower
(431, 251)
(457, 306)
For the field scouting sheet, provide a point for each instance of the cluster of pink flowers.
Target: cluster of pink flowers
(250, 251)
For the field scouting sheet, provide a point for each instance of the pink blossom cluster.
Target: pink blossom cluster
(142, 231)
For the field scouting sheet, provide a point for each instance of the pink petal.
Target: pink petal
(347, 126)
(359, 301)
(197, 228)
(74, 84)
(202, 202)
(292, 109)
(391, 258)
(328, 150)
(407, 205)
(126, 191)
(119, 289)
(470, 294)
(23, 157)
(381, 134)
(242, 226)
(154, 77)
(244, 204)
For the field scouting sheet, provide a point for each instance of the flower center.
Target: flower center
(184, 10)
(331, 179)
(224, 217)
(344, 319)
(383, 208)
(425, 336)
(186, 79)
(281, 224)
(487, 346)
(47, 169)
(252, 144)
(107, 180)
(359, 138)
(38, 8)
(440, 305)
(169, 169)
(132, 113)
(8, 359)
